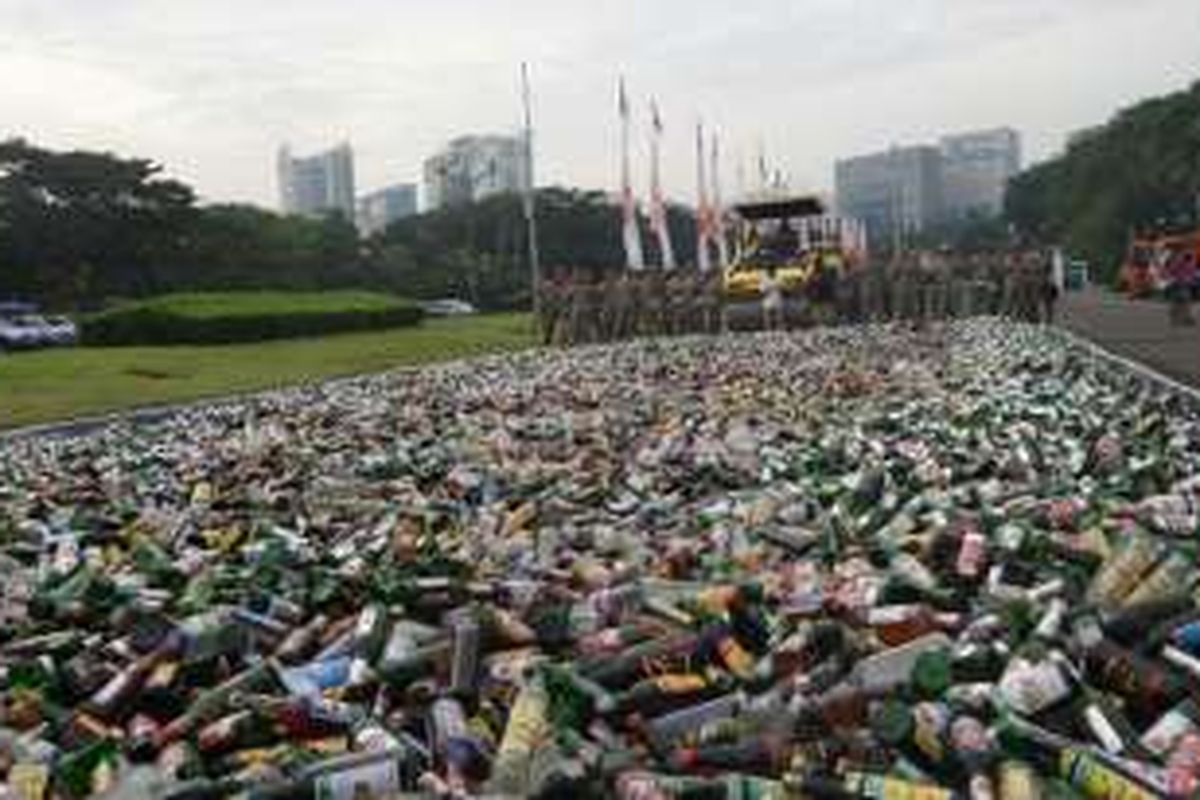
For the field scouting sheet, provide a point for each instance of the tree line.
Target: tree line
(1138, 173)
(79, 228)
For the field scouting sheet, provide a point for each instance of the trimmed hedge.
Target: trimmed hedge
(245, 317)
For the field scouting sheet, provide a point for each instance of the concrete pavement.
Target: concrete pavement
(1136, 329)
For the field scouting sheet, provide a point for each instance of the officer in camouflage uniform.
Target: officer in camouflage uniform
(564, 299)
(610, 307)
(711, 300)
(876, 291)
(654, 303)
(548, 306)
(903, 285)
(583, 309)
(624, 302)
(573, 324)
(670, 301)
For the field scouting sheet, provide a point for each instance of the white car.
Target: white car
(22, 332)
(61, 331)
(448, 307)
(25, 331)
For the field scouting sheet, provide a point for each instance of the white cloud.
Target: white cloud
(211, 87)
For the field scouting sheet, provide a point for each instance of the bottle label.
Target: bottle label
(680, 683)
(400, 646)
(970, 555)
(601, 641)
(1169, 579)
(1097, 780)
(1183, 766)
(1185, 753)
(1050, 623)
(448, 721)
(163, 674)
(311, 679)
(931, 721)
(1120, 575)
(526, 722)
(1182, 782)
(1017, 780)
(1102, 729)
(1029, 688)
(640, 786)
(1164, 733)
(379, 779)
(879, 787)
(969, 736)
(981, 788)
(856, 592)
(29, 781)
(892, 615)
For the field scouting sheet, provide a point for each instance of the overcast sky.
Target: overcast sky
(210, 88)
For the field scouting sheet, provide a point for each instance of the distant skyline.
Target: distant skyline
(212, 88)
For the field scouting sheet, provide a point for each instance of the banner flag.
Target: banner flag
(629, 219)
(658, 206)
(718, 213)
(703, 212)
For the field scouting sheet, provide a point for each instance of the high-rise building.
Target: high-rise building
(976, 167)
(471, 168)
(917, 188)
(318, 184)
(897, 187)
(379, 209)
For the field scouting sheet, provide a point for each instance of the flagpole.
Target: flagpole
(535, 267)
(629, 224)
(658, 207)
(741, 176)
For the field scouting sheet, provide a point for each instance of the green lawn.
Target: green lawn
(234, 304)
(51, 385)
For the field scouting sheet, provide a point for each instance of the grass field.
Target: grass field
(203, 305)
(52, 385)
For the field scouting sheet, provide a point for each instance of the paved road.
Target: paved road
(1135, 329)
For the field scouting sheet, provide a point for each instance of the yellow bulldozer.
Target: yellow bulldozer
(807, 247)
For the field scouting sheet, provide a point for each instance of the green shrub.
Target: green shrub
(222, 318)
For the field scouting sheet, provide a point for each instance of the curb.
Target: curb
(1146, 373)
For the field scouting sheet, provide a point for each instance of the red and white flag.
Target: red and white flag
(718, 213)
(629, 218)
(658, 206)
(703, 211)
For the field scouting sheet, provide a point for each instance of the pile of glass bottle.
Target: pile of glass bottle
(867, 562)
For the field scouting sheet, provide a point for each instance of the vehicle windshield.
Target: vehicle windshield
(769, 241)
